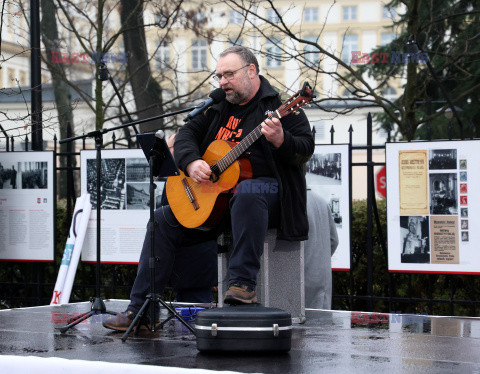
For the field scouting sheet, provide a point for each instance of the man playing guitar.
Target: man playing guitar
(271, 192)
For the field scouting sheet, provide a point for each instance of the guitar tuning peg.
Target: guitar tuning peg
(296, 112)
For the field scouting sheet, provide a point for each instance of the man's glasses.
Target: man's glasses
(228, 75)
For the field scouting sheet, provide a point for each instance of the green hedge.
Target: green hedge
(402, 285)
(26, 284)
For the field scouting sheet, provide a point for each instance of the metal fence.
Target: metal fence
(367, 286)
(31, 283)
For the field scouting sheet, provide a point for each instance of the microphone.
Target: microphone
(160, 145)
(160, 134)
(214, 98)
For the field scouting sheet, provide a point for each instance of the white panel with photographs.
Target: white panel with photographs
(327, 175)
(125, 202)
(26, 206)
(439, 240)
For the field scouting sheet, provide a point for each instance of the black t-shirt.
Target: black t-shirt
(237, 124)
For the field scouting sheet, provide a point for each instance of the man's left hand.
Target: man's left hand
(273, 131)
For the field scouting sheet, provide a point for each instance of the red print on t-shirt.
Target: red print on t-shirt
(229, 132)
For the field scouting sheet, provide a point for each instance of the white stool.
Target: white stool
(280, 282)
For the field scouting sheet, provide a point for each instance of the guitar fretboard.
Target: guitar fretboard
(232, 155)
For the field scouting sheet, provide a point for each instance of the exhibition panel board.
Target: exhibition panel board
(327, 175)
(124, 202)
(27, 203)
(432, 201)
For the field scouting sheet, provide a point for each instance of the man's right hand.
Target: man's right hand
(199, 171)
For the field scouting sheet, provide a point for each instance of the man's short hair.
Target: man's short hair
(246, 55)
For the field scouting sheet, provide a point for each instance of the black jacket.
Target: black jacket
(287, 161)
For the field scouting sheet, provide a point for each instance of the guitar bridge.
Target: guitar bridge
(190, 194)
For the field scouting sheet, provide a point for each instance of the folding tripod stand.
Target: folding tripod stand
(98, 306)
(161, 165)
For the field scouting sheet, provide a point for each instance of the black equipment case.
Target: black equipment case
(244, 328)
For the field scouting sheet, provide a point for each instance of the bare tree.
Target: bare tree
(364, 84)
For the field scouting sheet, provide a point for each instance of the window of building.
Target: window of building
(389, 13)
(120, 45)
(387, 38)
(312, 55)
(272, 16)
(22, 77)
(161, 20)
(199, 54)
(347, 93)
(235, 18)
(24, 30)
(349, 13)
(310, 15)
(273, 52)
(11, 78)
(350, 44)
(162, 56)
(17, 14)
(390, 93)
(201, 17)
(232, 42)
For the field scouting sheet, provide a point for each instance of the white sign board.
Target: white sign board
(26, 206)
(124, 201)
(433, 195)
(327, 175)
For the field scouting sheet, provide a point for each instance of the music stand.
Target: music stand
(161, 164)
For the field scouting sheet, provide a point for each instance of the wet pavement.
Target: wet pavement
(330, 341)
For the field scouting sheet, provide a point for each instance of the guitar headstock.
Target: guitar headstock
(295, 102)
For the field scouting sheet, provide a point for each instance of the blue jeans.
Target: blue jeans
(187, 257)
(254, 208)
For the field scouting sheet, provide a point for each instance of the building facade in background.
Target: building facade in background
(184, 48)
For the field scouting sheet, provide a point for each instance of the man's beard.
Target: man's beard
(236, 97)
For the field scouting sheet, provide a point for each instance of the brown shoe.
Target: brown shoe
(240, 294)
(122, 321)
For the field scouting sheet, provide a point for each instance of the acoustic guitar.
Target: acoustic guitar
(197, 205)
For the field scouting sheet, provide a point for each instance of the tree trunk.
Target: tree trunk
(146, 90)
(48, 26)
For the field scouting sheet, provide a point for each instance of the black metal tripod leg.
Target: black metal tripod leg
(73, 319)
(77, 321)
(179, 317)
(160, 326)
(136, 320)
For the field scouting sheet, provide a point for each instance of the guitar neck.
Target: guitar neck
(222, 164)
(291, 105)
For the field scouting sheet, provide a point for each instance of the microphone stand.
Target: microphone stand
(103, 75)
(98, 306)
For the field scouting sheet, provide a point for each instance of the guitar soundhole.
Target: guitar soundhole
(214, 178)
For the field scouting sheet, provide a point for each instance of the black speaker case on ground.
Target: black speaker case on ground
(253, 328)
